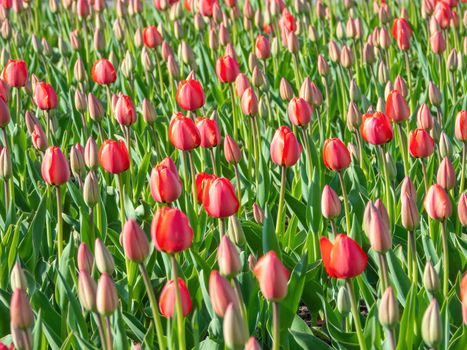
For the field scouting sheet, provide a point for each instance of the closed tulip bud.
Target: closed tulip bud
(330, 203)
(354, 117)
(228, 258)
(21, 315)
(167, 299)
(87, 291)
(299, 111)
(39, 139)
(377, 230)
(438, 44)
(4, 113)
(462, 209)
(95, 108)
(235, 231)
(316, 96)
(221, 293)
(285, 149)
(410, 216)
(45, 96)
(258, 214)
(124, 110)
(235, 328)
(334, 51)
(135, 242)
(313, 35)
(369, 56)
(249, 102)
(5, 164)
(232, 152)
(106, 295)
(98, 40)
(190, 94)
(424, 117)
(220, 199)
(183, 133)
(387, 90)
(396, 107)
(258, 78)
(346, 57)
(292, 43)
(445, 147)
(18, 278)
(392, 170)
(262, 47)
(272, 276)
(55, 169)
(285, 90)
(104, 260)
(388, 311)
(91, 153)
(227, 69)
(165, 183)
(350, 29)
(343, 301)
(430, 278)
(421, 144)
(340, 31)
(103, 72)
(432, 325)
(173, 67)
(114, 157)
(77, 160)
(149, 113)
(336, 156)
(241, 84)
(36, 44)
(383, 74)
(85, 260)
(408, 187)
(376, 128)
(434, 94)
(80, 101)
(91, 192)
(460, 127)
(355, 94)
(252, 344)
(446, 175)
(437, 203)
(171, 230)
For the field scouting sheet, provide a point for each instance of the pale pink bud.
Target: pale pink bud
(330, 203)
(221, 293)
(446, 175)
(228, 258)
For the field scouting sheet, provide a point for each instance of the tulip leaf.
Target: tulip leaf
(269, 234)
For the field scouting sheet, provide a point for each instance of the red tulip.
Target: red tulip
(437, 203)
(190, 95)
(443, 14)
(114, 157)
(152, 37)
(209, 132)
(168, 299)
(45, 97)
(438, 44)
(203, 181)
(219, 199)
(402, 32)
(103, 72)
(232, 152)
(424, 117)
(221, 293)
(4, 113)
(82, 8)
(227, 69)
(206, 6)
(241, 84)
(55, 169)
(135, 242)
(272, 276)
(183, 133)
(460, 127)
(421, 144)
(299, 111)
(396, 107)
(262, 47)
(376, 128)
(343, 259)
(39, 139)
(446, 175)
(4, 90)
(165, 183)
(171, 231)
(249, 102)
(124, 110)
(463, 297)
(285, 149)
(462, 209)
(336, 156)
(15, 73)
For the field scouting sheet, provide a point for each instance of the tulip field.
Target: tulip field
(238, 174)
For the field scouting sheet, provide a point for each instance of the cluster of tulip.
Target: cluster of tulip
(223, 131)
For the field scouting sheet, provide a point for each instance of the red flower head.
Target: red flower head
(165, 183)
(152, 37)
(336, 156)
(55, 169)
(15, 73)
(190, 95)
(209, 132)
(45, 96)
(114, 157)
(220, 200)
(203, 181)
(421, 144)
(285, 149)
(168, 298)
(227, 69)
(183, 133)
(171, 230)
(402, 32)
(103, 72)
(376, 128)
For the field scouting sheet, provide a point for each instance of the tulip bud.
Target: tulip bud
(18, 278)
(323, 67)
(221, 293)
(377, 230)
(462, 209)
(330, 203)
(269, 265)
(445, 148)
(87, 289)
(173, 67)
(430, 278)
(135, 242)
(106, 295)
(434, 94)
(90, 153)
(167, 299)
(258, 214)
(355, 93)
(432, 325)
(383, 74)
(252, 344)
(91, 193)
(232, 152)
(410, 216)
(95, 108)
(354, 117)
(228, 258)
(104, 260)
(21, 315)
(452, 62)
(369, 56)
(235, 328)
(344, 305)
(5, 164)
(235, 231)
(388, 312)
(334, 51)
(424, 118)
(77, 160)
(285, 90)
(446, 176)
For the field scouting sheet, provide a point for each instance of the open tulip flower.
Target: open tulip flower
(176, 174)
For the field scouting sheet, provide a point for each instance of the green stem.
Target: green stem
(121, 201)
(308, 154)
(193, 182)
(405, 156)
(237, 178)
(100, 327)
(412, 257)
(356, 316)
(445, 259)
(153, 303)
(178, 305)
(276, 341)
(386, 184)
(383, 267)
(213, 161)
(296, 72)
(59, 223)
(109, 334)
(221, 228)
(234, 113)
(463, 171)
(281, 212)
(346, 202)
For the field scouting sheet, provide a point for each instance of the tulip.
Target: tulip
(424, 117)
(106, 295)
(165, 183)
(38, 138)
(432, 325)
(135, 242)
(438, 44)
(443, 14)
(114, 157)
(4, 113)
(203, 182)
(285, 90)
(410, 219)
(330, 204)
(421, 144)
(462, 209)
(208, 131)
(258, 213)
(388, 312)
(171, 231)
(252, 344)
(377, 230)
(299, 111)
(124, 110)
(167, 298)
(376, 128)
(55, 169)
(336, 156)
(437, 203)
(228, 258)
(21, 315)
(87, 291)
(221, 293)
(249, 102)
(234, 327)
(103, 72)
(241, 84)
(151, 37)
(85, 258)
(262, 47)
(104, 259)
(446, 176)
(219, 199)
(460, 127)
(190, 94)
(91, 191)
(18, 278)
(227, 69)
(232, 152)
(396, 107)
(272, 276)
(285, 149)
(45, 97)
(463, 297)
(402, 32)
(183, 133)
(15, 73)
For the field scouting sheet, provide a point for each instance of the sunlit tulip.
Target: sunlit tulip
(103, 72)
(45, 96)
(437, 203)
(299, 111)
(460, 127)
(376, 128)
(208, 131)
(227, 69)
(124, 110)
(183, 133)
(15, 73)
(190, 95)
(285, 149)
(330, 203)
(114, 157)
(219, 199)
(165, 183)
(221, 293)
(203, 182)
(402, 32)
(232, 151)
(152, 37)
(171, 231)
(421, 144)
(167, 299)
(135, 242)
(396, 107)
(336, 156)
(55, 169)
(272, 276)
